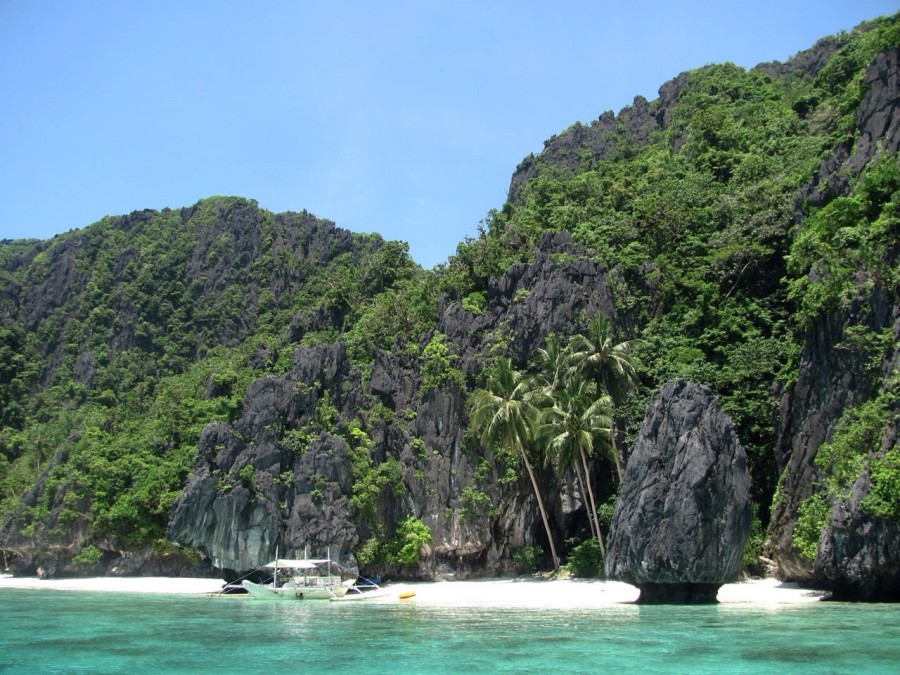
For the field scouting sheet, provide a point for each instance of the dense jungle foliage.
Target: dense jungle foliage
(719, 282)
(121, 341)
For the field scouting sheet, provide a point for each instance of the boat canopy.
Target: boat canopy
(297, 564)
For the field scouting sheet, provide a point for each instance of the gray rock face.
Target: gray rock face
(634, 123)
(809, 62)
(683, 514)
(855, 556)
(830, 379)
(878, 129)
(859, 554)
(302, 498)
(297, 496)
(530, 301)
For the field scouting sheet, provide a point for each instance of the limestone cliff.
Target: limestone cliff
(683, 514)
(299, 495)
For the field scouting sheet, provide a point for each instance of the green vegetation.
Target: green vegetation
(712, 274)
(120, 342)
(477, 503)
(404, 550)
(370, 480)
(507, 419)
(855, 448)
(883, 498)
(557, 414)
(527, 559)
(585, 559)
(89, 555)
(406, 547)
(753, 549)
(438, 365)
(162, 324)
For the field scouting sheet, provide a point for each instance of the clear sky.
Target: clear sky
(401, 117)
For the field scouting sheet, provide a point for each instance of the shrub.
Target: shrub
(477, 503)
(585, 559)
(475, 302)
(439, 365)
(248, 477)
(811, 518)
(527, 559)
(405, 548)
(89, 555)
(883, 499)
(368, 552)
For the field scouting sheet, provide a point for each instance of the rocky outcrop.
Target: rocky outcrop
(859, 553)
(599, 140)
(808, 63)
(878, 130)
(253, 490)
(683, 513)
(835, 374)
(530, 301)
(831, 377)
(299, 498)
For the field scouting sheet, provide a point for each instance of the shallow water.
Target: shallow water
(74, 632)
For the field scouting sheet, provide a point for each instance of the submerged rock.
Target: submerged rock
(683, 514)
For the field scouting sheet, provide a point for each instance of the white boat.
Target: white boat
(368, 590)
(307, 580)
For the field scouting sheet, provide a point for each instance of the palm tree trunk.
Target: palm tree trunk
(537, 493)
(593, 504)
(584, 499)
(615, 452)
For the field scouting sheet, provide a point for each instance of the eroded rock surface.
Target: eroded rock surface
(683, 514)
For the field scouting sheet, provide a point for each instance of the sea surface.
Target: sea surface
(77, 632)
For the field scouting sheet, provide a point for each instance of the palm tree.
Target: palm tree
(573, 427)
(552, 361)
(507, 418)
(610, 364)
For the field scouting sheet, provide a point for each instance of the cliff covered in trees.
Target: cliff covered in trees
(192, 388)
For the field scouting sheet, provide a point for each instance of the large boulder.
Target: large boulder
(683, 514)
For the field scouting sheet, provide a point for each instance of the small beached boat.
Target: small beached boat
(307, 580)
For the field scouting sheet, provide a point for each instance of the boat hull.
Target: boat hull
(356, 594)
(293, 592)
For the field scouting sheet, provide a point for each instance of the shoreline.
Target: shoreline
(518, 592)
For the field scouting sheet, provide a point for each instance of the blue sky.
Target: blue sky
(399, 117)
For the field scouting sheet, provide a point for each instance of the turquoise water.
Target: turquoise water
(54, 631)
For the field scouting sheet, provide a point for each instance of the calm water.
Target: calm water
(53, 631)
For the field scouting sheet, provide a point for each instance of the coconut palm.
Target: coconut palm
(553, 363)
(573, 429)
(613, 368)
(507, 418)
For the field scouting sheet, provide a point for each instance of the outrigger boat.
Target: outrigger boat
(310, 580)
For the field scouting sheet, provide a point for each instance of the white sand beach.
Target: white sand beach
(178, 585)
(582, 593)
(523, 592)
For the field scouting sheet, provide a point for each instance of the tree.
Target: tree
(507, 418)
(553, 363)
(613, 368)
(572, 428)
